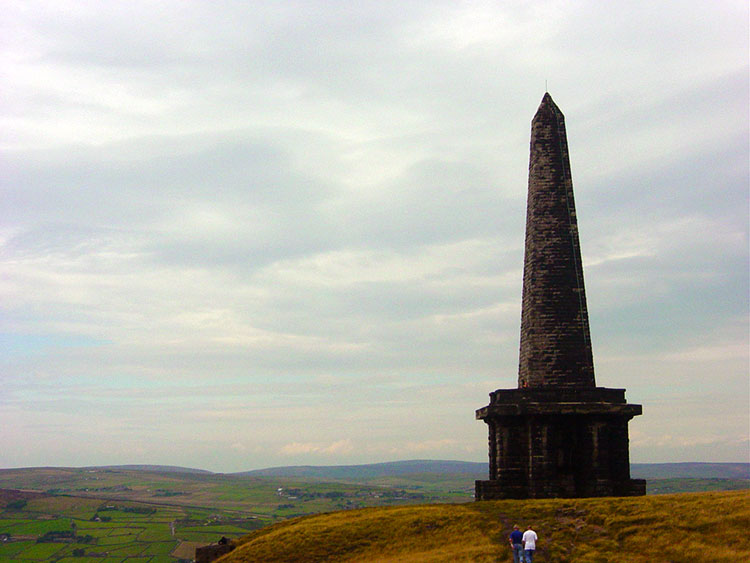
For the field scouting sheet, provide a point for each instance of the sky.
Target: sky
(236, 235)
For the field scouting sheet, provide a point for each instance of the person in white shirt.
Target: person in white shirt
(529, 544)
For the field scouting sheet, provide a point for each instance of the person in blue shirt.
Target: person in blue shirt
(516, 544)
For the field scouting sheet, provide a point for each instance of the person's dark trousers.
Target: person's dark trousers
(529, 555)
(518, 553)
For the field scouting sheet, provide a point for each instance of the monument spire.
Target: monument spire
(557, 434)
(555, 339)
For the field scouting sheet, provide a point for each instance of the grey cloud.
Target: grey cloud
(262, 194)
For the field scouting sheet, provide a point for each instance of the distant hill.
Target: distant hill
(468, 469)
(423, 466)
(155, 468)
(371, 470)
(692, 470)
(705, 527)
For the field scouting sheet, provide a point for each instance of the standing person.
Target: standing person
(529, 544)
(516, 544)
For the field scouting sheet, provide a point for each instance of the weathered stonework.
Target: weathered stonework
(557, 435)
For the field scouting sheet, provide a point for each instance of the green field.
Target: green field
(111, 515)
(64, 527)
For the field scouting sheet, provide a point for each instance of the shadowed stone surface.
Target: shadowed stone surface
(555, 342)
(209, 553)
(557, 435)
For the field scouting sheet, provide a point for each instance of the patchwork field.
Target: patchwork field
(66, 528)
(109, 515)
(55, 533)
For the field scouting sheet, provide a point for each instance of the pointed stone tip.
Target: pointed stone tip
(547, 101)
(548, 105)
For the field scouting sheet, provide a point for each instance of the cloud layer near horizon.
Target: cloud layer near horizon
(237, 234)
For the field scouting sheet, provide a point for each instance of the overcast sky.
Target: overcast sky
(243, 234)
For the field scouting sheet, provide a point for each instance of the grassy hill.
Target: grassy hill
(665, 528)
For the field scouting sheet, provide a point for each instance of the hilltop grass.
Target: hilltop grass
(692, 528)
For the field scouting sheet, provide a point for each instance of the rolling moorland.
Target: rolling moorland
(683, 528)
(159, 514)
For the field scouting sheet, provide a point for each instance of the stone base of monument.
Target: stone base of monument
(558, 442)
(502, 489)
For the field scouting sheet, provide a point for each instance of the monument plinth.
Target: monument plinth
(557, 434)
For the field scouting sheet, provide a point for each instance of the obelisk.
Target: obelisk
(557, 434)
(555, 341)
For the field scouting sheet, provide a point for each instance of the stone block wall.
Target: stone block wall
(558, 455)
(555, 341)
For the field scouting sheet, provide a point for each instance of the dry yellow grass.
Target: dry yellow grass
(685, 528)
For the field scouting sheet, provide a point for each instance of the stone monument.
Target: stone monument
(557, 434)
